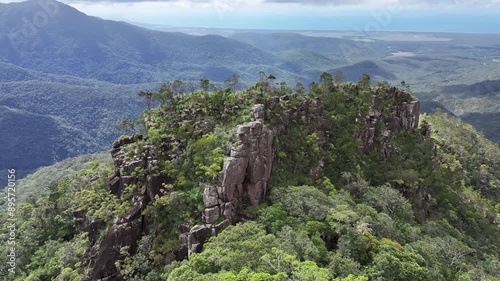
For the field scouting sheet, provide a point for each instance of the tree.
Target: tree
(263, 82)
(313, 87)
(126, 125)
(235, 248)
(177, 87)
(398, 263)
(405, 86)
(204, 84)
(232, 83)
(148, 98)
(284, 89)
(364, 81)
(191, 86)
(338, 77)
(302, 244)
(299, 88)
(325, 79)
(271, 78)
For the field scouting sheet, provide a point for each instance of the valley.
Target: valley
(65, 71)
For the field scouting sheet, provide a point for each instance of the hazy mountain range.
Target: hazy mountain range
(67, 78)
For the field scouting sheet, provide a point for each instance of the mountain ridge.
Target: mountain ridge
(344, 182)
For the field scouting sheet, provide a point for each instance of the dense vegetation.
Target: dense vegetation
(408, 208)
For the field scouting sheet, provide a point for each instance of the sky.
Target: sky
(477, 16)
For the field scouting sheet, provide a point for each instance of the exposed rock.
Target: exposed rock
(117, 184)
(198, 235)
(130, 167)
(135, 212)
(403, 116)
(114, 184)
(211, 197)
(211, 214)
(154, 184)
(108, 252)
(116, 151)
(246, 171)
(310, 112)
(258, 112)
(127, 231)
(221, 226)
(248, 168)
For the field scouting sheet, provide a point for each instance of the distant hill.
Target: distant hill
(477, 104)
(41, 139)
(41, 181)
(72, 43)
(486, 88)
(354, 72)
(487, 123)
(83, 73)
(278, 42)
(77, 76)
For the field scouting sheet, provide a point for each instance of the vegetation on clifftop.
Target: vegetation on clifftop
(403, 206)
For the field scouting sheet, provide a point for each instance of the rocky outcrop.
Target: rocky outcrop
(400, 115)
(405, 116)
(285, 112)
(128, 230)
(245, 175)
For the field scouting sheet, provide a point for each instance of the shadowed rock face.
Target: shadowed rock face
(128, 230)
(403, 116)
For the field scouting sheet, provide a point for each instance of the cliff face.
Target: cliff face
(405, 115)
(244, 180)
(245, 175)
(127, 231)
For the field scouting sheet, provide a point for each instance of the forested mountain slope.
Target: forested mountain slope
(72, 43)
(346, 182)
(85, 72)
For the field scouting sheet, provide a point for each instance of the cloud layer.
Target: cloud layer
(406, 15)
(309, 2)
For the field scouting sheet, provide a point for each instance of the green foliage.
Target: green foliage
(393, 263)
(303, 202)
(167, 213)
(274, 217)
(388, 200)
(408, 208)
(207, 156)
(235, 248)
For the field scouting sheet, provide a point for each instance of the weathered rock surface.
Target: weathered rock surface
(245, 174)
(406, 116)
(119, 235)
(403, 116)
(128, 230)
